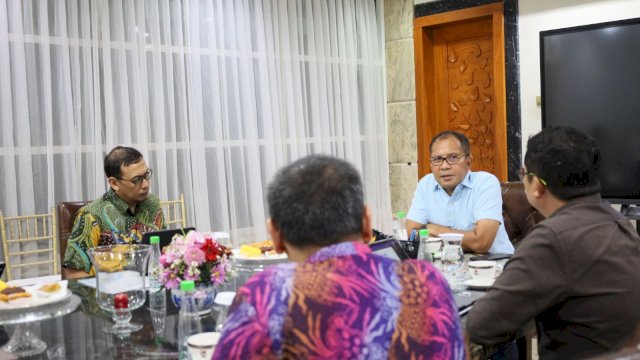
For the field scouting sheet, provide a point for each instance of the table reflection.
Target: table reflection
(79, 335)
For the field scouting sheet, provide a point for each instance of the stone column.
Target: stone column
(401, 102)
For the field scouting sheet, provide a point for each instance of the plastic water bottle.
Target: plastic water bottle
(423, 249)
(188, 319)
(399, 226)
(154, 268)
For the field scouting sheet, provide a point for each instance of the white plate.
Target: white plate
(36, 289)
(34, 300)
(238, 256)
(479, 284)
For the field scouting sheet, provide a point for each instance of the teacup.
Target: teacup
(434, 244)
(482, 270)
(201, 346)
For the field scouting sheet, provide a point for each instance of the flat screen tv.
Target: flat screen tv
(591, 81)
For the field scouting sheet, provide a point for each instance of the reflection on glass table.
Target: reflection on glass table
(24, 342)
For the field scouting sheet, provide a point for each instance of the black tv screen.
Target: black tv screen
(591, 81)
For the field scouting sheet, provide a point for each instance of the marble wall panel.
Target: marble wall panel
(403, 146)
(403, 180)
(401, 82)
(398, 19)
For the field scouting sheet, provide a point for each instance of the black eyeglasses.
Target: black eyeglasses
(452, 159)
(524, 172)
(137, 181)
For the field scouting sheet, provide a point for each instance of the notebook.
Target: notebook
(165, 235)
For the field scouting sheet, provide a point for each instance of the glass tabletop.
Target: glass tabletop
(51, 310)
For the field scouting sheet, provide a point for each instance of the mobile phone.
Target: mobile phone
(490, 257)
(2, 265)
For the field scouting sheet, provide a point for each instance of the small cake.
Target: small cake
(12, 293)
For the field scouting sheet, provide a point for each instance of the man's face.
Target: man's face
(126, 187)
(449, 175)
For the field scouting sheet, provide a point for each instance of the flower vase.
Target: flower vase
(204, 295)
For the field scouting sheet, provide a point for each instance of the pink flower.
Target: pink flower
(170, 280)
(194, 237)
(193, 255)
(218, 274)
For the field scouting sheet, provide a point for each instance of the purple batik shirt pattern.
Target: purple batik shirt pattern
(344, 303)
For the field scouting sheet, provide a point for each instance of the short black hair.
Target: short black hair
(120, 156)
(316, 201)
(567, 159)
(464, 142)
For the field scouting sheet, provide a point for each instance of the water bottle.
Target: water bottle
(423, 249)
(154, 269)
(158, 311)
(399, 226)
(188, 319)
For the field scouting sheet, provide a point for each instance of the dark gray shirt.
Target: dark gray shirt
(578, 274)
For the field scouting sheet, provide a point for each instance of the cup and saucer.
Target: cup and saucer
(483, 274)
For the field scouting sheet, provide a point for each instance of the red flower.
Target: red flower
(210, 250)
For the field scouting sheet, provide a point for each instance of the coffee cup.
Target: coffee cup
(434, 244)
(482, 270)
(201, 346)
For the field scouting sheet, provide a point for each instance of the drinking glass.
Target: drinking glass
(120, 289)
(452, 260)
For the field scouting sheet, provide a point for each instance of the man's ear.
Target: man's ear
(469, 159)
(113, 183)
(538, 189)
(276, 236)
(367, 233)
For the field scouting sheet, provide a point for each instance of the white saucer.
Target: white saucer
(478, 283)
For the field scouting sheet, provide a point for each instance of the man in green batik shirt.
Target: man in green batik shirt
(121, 215)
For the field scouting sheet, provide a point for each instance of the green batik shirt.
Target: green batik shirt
(107, 221)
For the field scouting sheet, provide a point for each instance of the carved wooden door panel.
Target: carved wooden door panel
(460, 86)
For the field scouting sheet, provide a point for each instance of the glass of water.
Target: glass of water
(453, 259)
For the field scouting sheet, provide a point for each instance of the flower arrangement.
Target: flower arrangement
(195, 256)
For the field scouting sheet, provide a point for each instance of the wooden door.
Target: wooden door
(460, 84)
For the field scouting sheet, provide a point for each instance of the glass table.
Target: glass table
(24, 342)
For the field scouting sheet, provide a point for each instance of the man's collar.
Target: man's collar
(117, 201)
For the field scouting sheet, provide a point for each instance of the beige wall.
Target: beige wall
(401, 102)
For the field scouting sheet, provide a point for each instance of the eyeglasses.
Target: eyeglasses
(137, 181)
(524, 172)
(452, 159)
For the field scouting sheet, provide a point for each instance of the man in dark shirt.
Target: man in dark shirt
(577, 272)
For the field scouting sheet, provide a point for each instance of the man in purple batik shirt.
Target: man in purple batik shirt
(336, 300)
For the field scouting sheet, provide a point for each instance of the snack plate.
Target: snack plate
(264, 258)
(37, 298)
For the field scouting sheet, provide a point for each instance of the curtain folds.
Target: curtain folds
(217, 94)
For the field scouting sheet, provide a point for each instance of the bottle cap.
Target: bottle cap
(401, 214)
(155, 239)
(187, 285)
(424, 232)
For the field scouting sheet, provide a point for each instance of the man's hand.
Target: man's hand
(478, 240)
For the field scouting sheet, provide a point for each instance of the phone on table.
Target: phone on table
(490, 257)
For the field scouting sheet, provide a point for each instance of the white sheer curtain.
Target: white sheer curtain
(217, 94)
